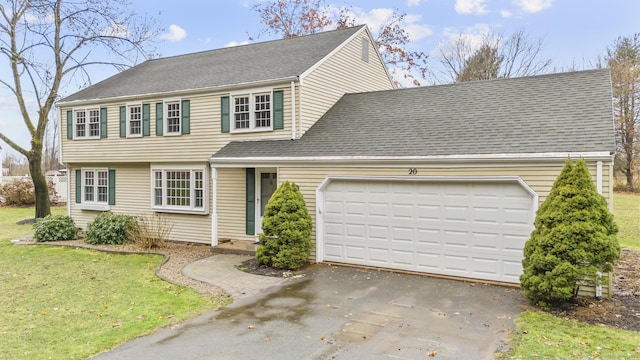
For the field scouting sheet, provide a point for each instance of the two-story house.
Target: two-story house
(443, 179)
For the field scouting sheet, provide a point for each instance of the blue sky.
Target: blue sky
(573, 31)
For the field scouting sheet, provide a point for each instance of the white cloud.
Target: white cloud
(411, 3)
(471, 7)
(505, 13)
(117, 30)
(471, 36)
(175, 34)
(235, 43)
(375, 18)
(533, 6)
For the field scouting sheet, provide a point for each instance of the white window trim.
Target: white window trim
(128, 120)
(165, 115)
(252, 121)
(86, 124)
(93, 205)
(181, 209)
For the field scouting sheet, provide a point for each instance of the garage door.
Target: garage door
(463, 229)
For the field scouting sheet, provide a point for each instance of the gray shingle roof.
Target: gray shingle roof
(264, 61)
(566, 112)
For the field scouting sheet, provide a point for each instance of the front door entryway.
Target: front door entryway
(266, 185)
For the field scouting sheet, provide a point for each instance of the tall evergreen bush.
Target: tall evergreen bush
(285, 242)
(574, 238)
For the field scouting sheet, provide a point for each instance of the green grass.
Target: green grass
(626, 210)
(67, 303)
(544, 336)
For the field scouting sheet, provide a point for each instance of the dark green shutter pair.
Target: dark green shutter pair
(278, 112)
(146, 120)
(185, 110)
(103, 124)
(112, 186)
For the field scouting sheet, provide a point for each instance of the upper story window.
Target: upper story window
(252, 112)
(173, 122)
(86, 123)
(260, 110)
(134, 120)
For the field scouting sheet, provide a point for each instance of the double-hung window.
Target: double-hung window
(134, 120)
(252, 112)
(172, 125)
(93, 187)
(179, 190)
(87, 123)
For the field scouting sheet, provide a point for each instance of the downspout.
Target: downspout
(214, 206)
(293, 111)
(599, 177)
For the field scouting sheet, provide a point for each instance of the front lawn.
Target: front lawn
(67, 303)
(626, 210)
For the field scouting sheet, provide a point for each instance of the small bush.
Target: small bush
(285, 242)
(109, 228)
(54, 228)
(18, 192)
(150, 231)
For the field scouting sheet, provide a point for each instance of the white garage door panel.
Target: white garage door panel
(475, 230)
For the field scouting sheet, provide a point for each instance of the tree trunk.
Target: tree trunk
(43, 204)
(629, 173)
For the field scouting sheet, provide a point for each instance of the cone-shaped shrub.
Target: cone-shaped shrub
(574, 237)
(285, 241)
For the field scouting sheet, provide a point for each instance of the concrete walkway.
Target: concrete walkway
(220, 270)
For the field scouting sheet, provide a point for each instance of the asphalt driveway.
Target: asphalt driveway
(335, 312)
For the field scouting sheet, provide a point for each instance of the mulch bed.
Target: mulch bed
(623, 309)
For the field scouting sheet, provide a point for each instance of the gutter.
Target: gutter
(221, 89)
(404, 160)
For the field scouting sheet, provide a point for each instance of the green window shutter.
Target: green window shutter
(69, 125)
(251, 201)
(159, 107)
(224, 111)
(112, 187)
(278, 110)
(103, 123)
(186, 118)
(123, 121)
(78, 186)
(146, 119)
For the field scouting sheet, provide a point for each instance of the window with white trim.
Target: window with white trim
(134, 120)
(252, 112)
(86, 123)
(95, 186)
(179, 190)
(172, 123)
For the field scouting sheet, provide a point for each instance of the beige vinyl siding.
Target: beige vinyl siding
(344, 72)
(539, 177)
(133, 197)
(204, 140)
(231, 200)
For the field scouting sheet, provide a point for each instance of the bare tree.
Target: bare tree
(289, 18)
(45, 43)
(623, 58)
(51, 146)
(516, 55)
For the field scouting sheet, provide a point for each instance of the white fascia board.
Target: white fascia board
(182, 93)
(403, 160)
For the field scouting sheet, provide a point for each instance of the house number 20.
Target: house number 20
(413, 171)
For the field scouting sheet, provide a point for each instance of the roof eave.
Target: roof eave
(407, 160)
(179, 93)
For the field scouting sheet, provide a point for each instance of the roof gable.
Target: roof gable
(566, 112)
(245, 64)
